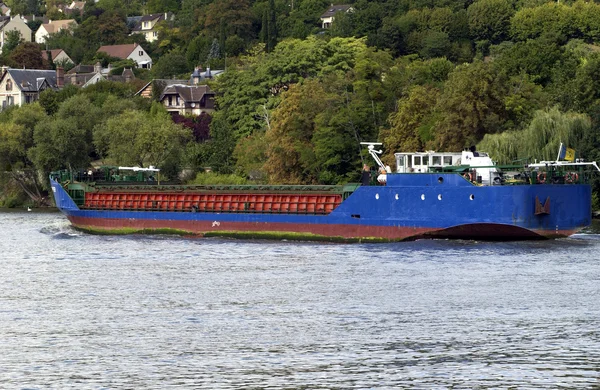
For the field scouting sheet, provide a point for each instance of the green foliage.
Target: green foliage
(28, 55)
(556, 18)
(212, 178)
(471, 105)
(406, 132)
(50, 100)
(60, 144)
(136, 138)
(171, 65)
(490, 20)
(13, 39)
(541, 140)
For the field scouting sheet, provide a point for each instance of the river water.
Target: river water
(83, 311)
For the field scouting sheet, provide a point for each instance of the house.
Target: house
(329, 15)
(86, 75)
(59, 56)
(131, 51)
(188, 99)
(76, 7)
(147, 25)
(52, 27)
(15, 23)
(21, 86)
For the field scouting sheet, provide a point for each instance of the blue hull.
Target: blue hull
(410, 206)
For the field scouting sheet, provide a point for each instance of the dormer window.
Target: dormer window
(146, 24)
(9, 85)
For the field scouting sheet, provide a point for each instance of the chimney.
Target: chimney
(3, 70)
(60, 77)
(97, 67)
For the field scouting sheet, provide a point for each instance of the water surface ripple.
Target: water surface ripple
(82, 311)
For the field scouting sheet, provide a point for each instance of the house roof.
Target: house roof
(188, 93)
(334, 9)
(81, 69)
(132, 21)
(119, 51)
(161, 83)
(57, 25)
(151, 17)
(54, 53)
(77, 5)
(31, 80)
(4, 21)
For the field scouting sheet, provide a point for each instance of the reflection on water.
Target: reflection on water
(83, 311)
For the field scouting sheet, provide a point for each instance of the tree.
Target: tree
(170, 65)
(551, 17)
(13, 39)
(136, 138)
(16, 139)
(290, 152)
(59, 144)
(157, 6)
(541, 139)
(411, 125)
(234, 15)
(471, 105)
(271, 39)
(490, 20)
(28, 55)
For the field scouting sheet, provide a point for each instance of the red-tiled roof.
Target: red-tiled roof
(119, 51)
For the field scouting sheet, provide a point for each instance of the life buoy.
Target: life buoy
(541, 177)
(572, 177)
(468, 176)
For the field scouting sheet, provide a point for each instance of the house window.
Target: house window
(177, 99)
(154, 34)
(28, 99)
(141, 53)
(10, 100)
(170, 101)
(146, 24)
(9, 85)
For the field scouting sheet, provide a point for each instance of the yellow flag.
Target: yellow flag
(570, 154)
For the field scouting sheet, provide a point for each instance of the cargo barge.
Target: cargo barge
(428, 195)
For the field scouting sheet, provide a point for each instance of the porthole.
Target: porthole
(439, 196)
(422, 196)
(472, 197)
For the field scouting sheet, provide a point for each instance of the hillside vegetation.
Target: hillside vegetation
(516, 78)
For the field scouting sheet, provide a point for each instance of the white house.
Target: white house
(329, 15)
(52, 27)
(21, 86)
(59, 56)
(131, 51)
(147, 25)
(8, 23)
